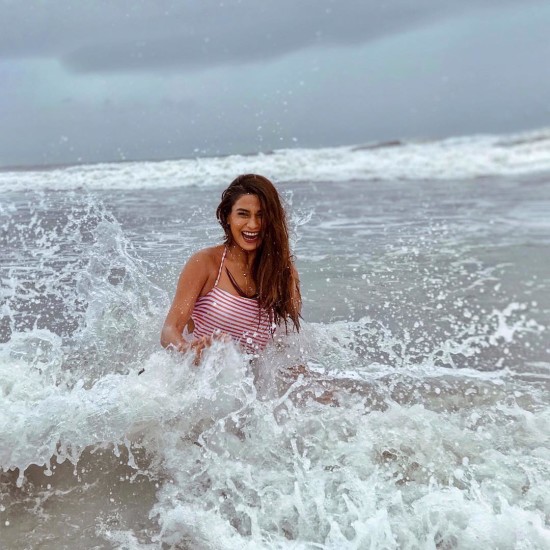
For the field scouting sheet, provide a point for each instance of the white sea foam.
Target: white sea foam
(366, 478)
(42, 421)
(454, 158)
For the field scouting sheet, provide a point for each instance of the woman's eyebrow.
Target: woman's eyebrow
(246, 211)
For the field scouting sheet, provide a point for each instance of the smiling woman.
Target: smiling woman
(242, 289)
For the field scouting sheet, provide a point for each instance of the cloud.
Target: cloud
(132, 35)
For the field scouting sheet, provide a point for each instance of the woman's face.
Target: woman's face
(245, 222)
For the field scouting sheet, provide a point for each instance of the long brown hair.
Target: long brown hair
(276, 281)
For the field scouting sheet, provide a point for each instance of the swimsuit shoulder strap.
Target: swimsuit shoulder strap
(221, 266)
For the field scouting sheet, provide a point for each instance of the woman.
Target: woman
(241, 289)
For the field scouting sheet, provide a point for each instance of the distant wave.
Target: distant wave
(454, 158)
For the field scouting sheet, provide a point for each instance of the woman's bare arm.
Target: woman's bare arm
(193, 279)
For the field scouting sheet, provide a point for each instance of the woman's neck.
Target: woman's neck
(243, 258)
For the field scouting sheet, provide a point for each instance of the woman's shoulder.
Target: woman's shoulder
(207, 257)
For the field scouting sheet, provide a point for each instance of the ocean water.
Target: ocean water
(412, 411)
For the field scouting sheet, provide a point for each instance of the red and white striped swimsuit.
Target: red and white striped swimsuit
(241, 318)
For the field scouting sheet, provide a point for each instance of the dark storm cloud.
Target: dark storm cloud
(143, 35)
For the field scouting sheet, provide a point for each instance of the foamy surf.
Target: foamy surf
(453, 158)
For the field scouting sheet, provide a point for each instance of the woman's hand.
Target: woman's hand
(199, 345)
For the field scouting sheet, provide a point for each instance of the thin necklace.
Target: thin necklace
(236, 286)
(244, 293)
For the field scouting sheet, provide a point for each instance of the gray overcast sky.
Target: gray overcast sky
(106, 79)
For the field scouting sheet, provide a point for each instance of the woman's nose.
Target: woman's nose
(254, 223)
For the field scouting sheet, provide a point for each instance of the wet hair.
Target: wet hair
(276, 280)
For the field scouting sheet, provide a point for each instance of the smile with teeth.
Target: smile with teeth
(250, 236)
